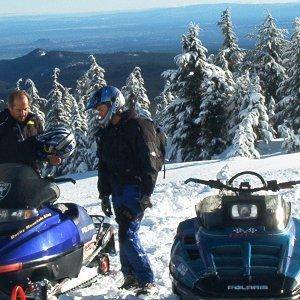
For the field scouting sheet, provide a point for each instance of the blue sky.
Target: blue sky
(77, 6)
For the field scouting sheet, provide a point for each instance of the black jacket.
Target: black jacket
(124, 152)
(17, 144)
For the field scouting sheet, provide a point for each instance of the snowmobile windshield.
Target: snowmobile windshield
(278, 212)
(209, 204)
(21, 188)
(210, 213)
(215, 212)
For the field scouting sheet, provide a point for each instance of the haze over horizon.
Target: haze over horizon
(37, 7)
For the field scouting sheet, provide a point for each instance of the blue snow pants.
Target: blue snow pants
(134, 260)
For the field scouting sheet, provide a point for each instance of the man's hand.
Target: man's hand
(145, 202)
(54, 160)
(106, 206)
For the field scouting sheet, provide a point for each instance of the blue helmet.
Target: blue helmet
(112, 97)
(59, 141)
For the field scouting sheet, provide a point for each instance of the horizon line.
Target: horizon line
(31, 14)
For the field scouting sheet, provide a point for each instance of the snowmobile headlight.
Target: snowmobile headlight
(244, 211)
(7, 215)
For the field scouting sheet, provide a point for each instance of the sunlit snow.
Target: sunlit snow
(173, 202)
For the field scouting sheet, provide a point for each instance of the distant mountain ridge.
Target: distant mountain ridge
(39, 64)
(155, 30)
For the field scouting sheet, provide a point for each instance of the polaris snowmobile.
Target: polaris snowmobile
(240, 245)
(43, 245)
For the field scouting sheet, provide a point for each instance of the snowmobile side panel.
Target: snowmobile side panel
(81, 219)
(54, 269)
(86, 228)
(48, 235)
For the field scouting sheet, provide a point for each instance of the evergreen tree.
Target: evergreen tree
(18, 84)
(93, 80)
(237, 103)
(230, 56)
(288, 109)
(271, 113)
(257, 107)
(212, 117)
(37, 103)
(135, 94)
(196, 115)
(243, 143)
(162, 102)
(81, 95)
(222, 62)
(77, 162)
(252, 121)
(291, 142)
(267, 57)
(56, 113)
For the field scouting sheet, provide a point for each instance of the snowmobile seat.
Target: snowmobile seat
(21, 187)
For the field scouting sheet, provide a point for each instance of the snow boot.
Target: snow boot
(149, 288)
(130, 282)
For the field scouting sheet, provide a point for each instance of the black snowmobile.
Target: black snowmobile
(240, 245)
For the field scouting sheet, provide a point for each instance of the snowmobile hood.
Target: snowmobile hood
(248, 262)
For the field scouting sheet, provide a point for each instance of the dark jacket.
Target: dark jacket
(17, 142)
(125, 155)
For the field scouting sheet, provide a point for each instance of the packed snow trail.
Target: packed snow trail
(173, 202)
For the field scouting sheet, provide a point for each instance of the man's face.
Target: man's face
(19, 109)
(102, 110)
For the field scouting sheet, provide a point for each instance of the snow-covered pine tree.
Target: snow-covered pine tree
(77, 162)
(257, 106)
(56, 113)
(135, 94)
(195, 119)
(94, 80)
(185, 83)
(237, 103)
(230, 56)
(222, 62)
(213, 117)
(59, 111)
(267, 57)
(162, 102)
(82, 95)
(37, 103)
(271, 113)
(18, 84)
(243, 143)
(288, 109)
(291, 142)
(252, 122)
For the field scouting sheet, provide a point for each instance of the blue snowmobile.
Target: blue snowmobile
(240, 245)
(44, 245)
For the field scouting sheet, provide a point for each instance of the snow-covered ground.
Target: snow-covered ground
(173, 202)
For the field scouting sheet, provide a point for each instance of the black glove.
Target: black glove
(106, 206)
(145, 202)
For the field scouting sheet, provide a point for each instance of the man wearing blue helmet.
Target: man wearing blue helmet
(128, 174)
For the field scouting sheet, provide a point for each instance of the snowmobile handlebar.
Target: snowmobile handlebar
(60, 180)
(271, 185)
(230, 181)
(216, 184)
